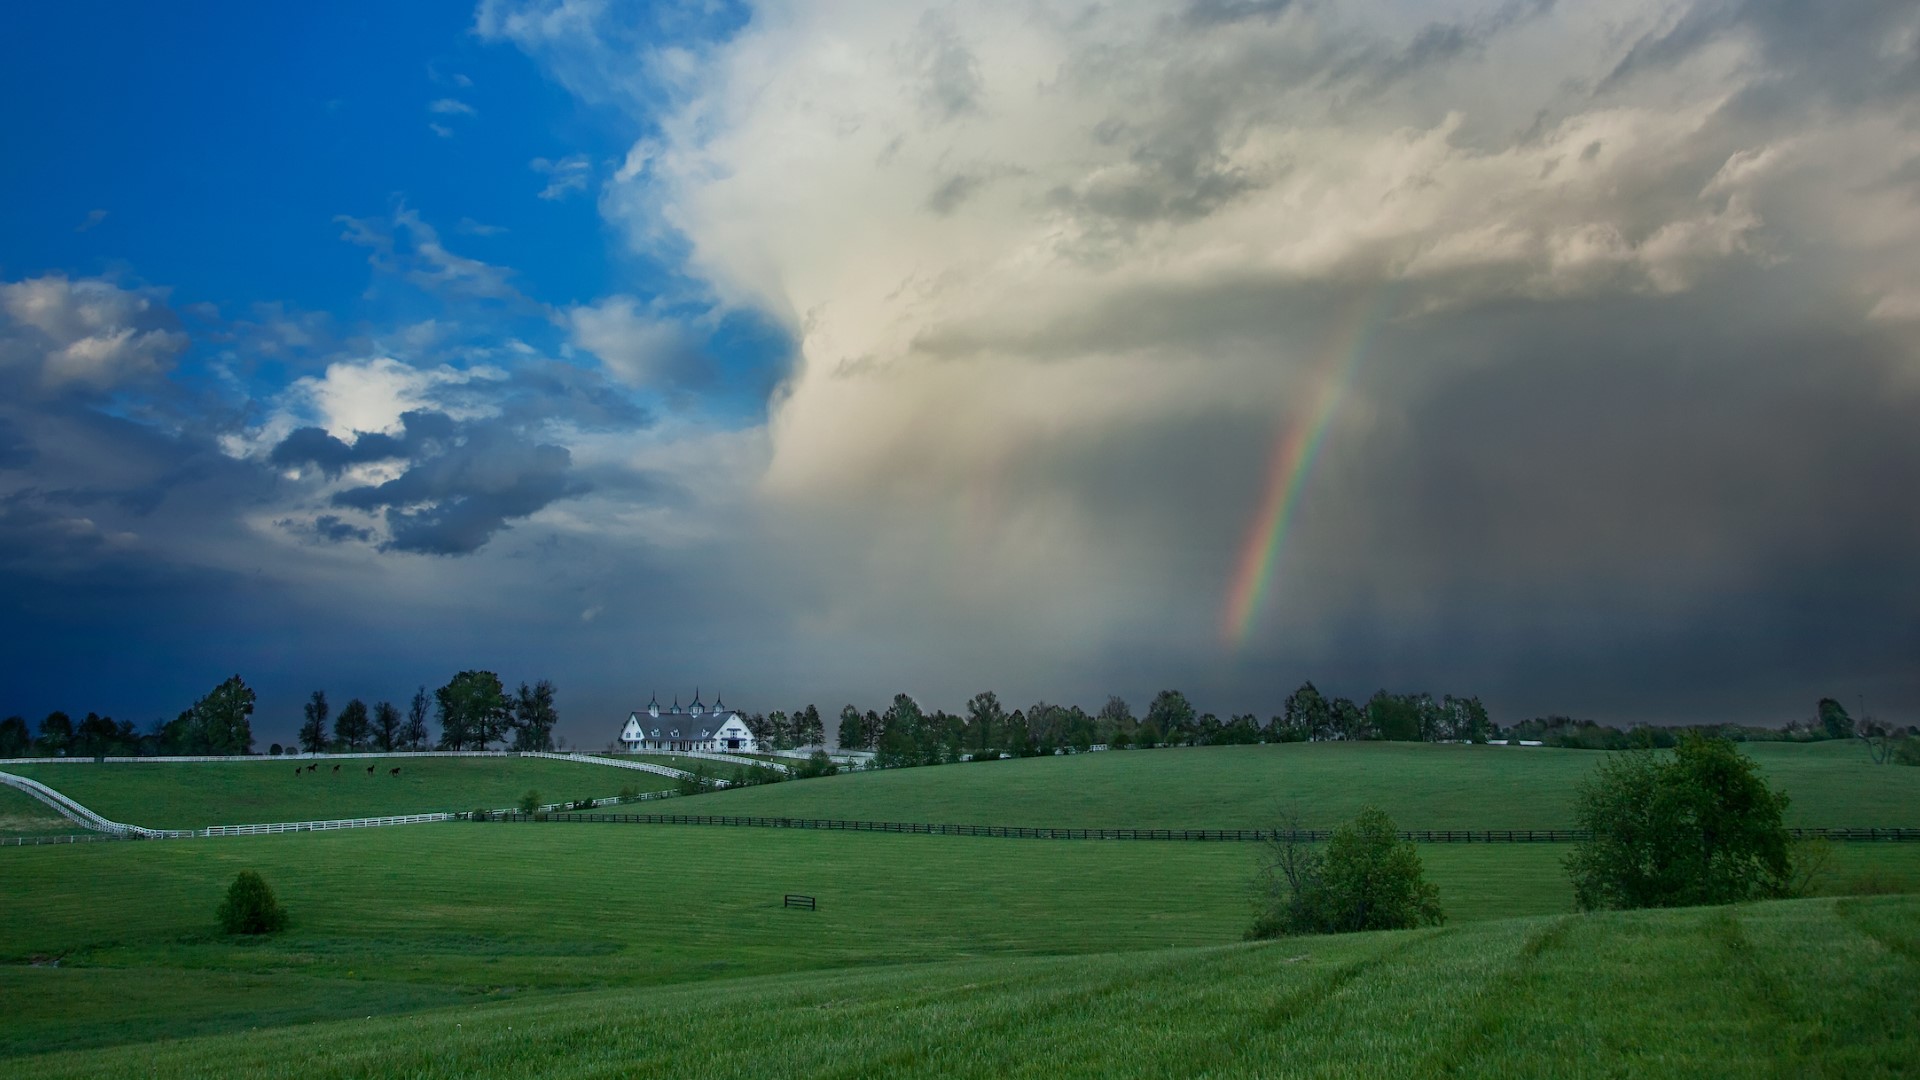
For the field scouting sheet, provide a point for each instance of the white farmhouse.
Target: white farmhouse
(695, 727)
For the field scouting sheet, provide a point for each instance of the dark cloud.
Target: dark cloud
(15, 453)
(421, 432)
(465, 488)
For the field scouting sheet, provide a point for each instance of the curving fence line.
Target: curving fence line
(1423, 836)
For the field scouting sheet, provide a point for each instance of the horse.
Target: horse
(313, 766)
(297, 770)
(395, 771)
(336, 768)
(369, 770)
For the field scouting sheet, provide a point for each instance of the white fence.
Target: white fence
(78, 814)
(320, 826)
(86, 818)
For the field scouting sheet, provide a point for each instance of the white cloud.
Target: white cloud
(638, 346)
(451, 107)
(565, 176)
(88, 333)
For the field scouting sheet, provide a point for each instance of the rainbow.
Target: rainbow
(1295, 449)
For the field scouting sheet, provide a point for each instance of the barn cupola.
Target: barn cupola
(653, 706)
(696, 708)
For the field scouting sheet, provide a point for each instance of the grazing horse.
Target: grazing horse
(369, 770)
(297, 770)
(313, 766)
(336, 768)
(395, 771)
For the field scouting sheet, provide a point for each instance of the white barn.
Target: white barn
(695, 727)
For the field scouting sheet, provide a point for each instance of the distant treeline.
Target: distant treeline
(906, 734)
(474, 712)
(1886, 743)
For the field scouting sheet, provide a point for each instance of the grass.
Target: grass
(1421, 786)
(187, 795)
(1796, 988)
(394, 920)
(23, 815)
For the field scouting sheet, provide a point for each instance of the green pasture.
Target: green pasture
(1422, 786)
(23, 815)
(189, 795)
(397, 919)
(1798, 988)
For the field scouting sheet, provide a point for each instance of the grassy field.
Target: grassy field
(1802, 988)
(187, 795)
(1421, 786)
(394, 920)
(23, 815)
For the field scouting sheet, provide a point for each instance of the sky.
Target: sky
(1566, 355)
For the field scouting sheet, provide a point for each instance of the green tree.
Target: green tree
(986, 720)
(1699, 826)
(534, 716)
(1306, 715)
(221, 721)
(313, 730)
(352, 726)
(387, 727)
(1114, 720)
(56, 733)
(808, 728)
(1366, 878)
(474, 711)
(849, 736)
(1834, 720)
(15, 738)
(1395, 717)
(250, 907)
(1171, 714)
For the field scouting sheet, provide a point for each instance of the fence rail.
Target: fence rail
(1017, 832)
(67, 838)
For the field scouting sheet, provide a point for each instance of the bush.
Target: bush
(1698, 827)
(529, 802)
(1367, 878)
(250, 907)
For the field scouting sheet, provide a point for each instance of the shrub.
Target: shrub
(629, 793)
(250, 907)
(529, 802)
(1698, 827)
(1367, 878)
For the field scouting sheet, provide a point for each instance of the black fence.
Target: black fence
(795, 900)
(1016, 832)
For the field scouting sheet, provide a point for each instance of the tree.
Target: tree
(986, 720)
(15, 738)
(1171, 714)
(1700, 826)
(56, 733)
(1306, 715)
(387, 727)
(313, 732)
(848, 735)
(808, 729)
(1834, 720)
(1113, 721)
(250, 907)
(351, 727)
(779, 730)
(221, 721)
(414, 734)
(1367, 878)
(474, 711)
(534, 716)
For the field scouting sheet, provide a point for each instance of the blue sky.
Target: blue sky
(816, 352)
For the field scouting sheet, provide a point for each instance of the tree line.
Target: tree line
(474, 711)
(907, 734)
